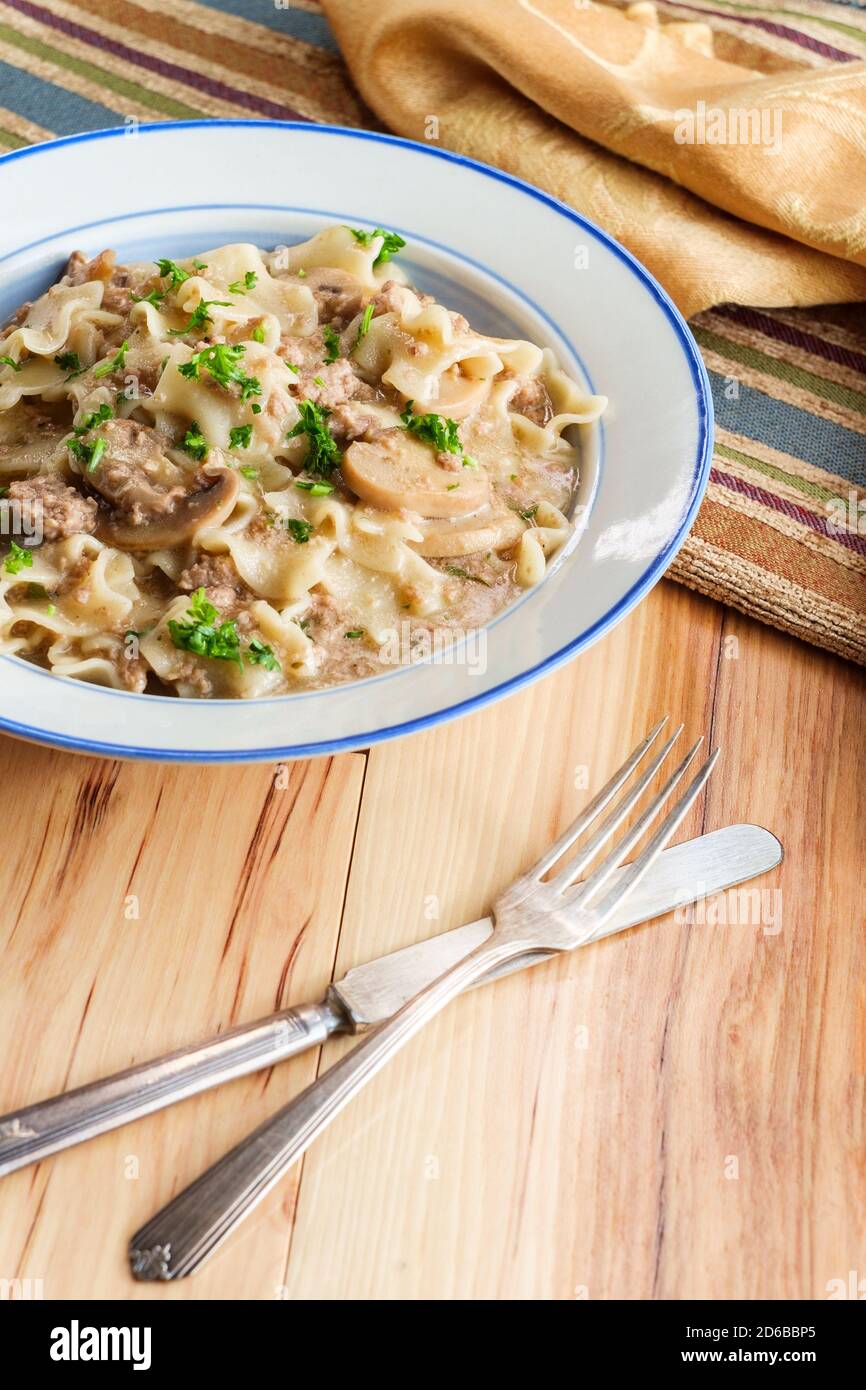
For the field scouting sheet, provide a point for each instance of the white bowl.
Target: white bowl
(514, 260)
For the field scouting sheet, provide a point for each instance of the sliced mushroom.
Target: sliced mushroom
(208, 507)
(495, 528)
(398, 471)
(459, 395)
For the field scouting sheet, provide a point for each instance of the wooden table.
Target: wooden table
(677, 1112)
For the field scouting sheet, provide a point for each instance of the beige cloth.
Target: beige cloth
(592, 104)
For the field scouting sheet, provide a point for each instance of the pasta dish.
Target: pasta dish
(239, 474)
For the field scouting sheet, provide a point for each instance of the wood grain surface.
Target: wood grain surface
(676, 1112)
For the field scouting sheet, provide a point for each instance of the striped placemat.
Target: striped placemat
(779, 535)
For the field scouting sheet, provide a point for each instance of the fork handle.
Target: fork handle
(28, 1135)
(181, 1236)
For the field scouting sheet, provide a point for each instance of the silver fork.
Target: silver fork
(535, 913)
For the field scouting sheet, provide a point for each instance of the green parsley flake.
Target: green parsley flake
(355, 633)
(240, 436)
(171, 270)
(319, 489)
(260, 655)
(391, 242)
(433, 429)
(528, 513)
(464, 574)
(363, 328)
(244, 286)
(195, 443)
(200, 317)
(258, 333)
(18, 559)
(94, 419)
(223, 363)
(201, 634)
(298, 530)
(323, 454)
(8, 361)
(69, 362)
(116, 363)
(248, 472)
(333, 346)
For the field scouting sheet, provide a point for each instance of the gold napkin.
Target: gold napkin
(729, 184)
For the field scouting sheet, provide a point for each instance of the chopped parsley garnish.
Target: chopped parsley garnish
(333, 346)
(363, 327)
(200, 317)
(391, 242)
(116, 363)
(87, 454)
(260, 655)
(201, 634)
(69, 362)
(323, 454)
(319, 489)
(318, 381)
(223, 363)
(433, 429)
(256, 408)
(171, 270)
(194, 442)
(464, 574)
(298, 530)
(94, 419)
(294, 368)
(240, 436)
(200, 265)
(155, 298)
(249, 472)
(469, 461)
(10, 362)
(528, 513)
(244, 286)
(258, 333)
(18, 559)
(355, 633)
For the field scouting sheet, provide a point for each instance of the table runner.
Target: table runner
(782, 532)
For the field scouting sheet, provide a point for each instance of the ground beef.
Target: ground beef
(129, 472)
(221, 582)
(333, 385)
(133, 672)
(532, 399)
(339, 297)
(61, 509)
(351, 421)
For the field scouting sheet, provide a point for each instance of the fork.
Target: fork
(536, 913)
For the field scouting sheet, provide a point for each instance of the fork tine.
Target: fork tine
(575, 866)
(597, 805)
(653, 849)
(623, 848)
